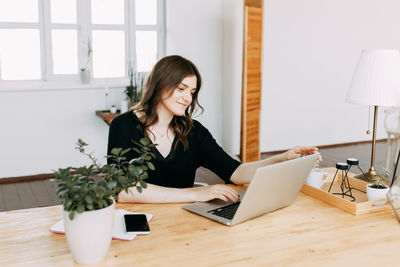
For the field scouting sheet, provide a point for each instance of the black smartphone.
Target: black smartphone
(136, 223)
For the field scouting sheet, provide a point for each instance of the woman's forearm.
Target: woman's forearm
(157, 194)
(245, 172)
(160, 194)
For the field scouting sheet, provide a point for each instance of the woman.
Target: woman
(165, 116)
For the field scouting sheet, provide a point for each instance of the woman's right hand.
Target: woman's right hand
(218, 191)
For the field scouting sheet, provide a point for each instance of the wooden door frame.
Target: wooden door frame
(251, 95)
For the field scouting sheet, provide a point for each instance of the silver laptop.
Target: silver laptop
(272, 187)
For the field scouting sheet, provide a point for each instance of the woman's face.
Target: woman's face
(181, 96)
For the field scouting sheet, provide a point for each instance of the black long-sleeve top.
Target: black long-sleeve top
(179, 167)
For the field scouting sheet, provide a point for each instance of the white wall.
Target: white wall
(232, 49)
(195, 31)
(311, 48)
(38, 129)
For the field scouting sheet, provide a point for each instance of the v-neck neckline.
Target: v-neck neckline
(171, 151)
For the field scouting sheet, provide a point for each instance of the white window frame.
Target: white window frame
(84, 29)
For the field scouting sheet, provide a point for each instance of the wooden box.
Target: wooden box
(360, 206)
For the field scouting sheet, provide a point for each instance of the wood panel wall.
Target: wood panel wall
(251, 87)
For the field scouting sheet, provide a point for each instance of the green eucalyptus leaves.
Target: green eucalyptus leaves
(94, 187)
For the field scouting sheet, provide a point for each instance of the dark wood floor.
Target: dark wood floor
(41, 193)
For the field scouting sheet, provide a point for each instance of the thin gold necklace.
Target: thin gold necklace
(161, 135)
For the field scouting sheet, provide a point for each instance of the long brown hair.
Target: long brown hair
(165, 76)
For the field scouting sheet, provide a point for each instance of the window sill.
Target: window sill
(33, 86)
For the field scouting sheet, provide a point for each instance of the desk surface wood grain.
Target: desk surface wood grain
(307, 233)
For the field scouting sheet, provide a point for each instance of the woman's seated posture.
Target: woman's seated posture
(164, 115)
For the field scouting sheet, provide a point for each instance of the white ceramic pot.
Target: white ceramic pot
(85, 76)
(376, 193)
(113, 109)
(89, 234)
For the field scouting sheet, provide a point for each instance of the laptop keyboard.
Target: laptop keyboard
(226, 212)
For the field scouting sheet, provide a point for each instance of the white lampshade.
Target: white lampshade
(376, 81)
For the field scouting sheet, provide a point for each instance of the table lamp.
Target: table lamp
(376, 82)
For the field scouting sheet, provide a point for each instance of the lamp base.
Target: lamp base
(371, 177)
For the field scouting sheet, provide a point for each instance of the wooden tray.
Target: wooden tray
(360, 206)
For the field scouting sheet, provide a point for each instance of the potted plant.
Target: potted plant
(134, 90)
(88, 196)
(85, 72)
(378, 189)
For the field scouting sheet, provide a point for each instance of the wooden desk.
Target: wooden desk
(308, 233)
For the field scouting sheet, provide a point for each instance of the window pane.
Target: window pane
(19, 11)
(146, 50)
(63, 11)
(108, 12)
(108, 54)
(65, 51)
(20, 54)
(146, 12)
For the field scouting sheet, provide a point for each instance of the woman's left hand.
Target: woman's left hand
(299, 151)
